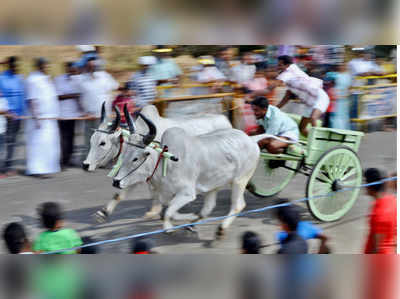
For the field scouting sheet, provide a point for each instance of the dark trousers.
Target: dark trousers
(67, 132)
(13, 127)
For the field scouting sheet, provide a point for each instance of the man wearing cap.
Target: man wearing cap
(143, 83)
(96, 87)
(165, 70)
(12, 88)
(42, 134)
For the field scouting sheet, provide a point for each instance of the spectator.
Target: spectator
(68, 91)
(383, 218)
(224, 61)
(329, 87)
(165, 70)
(364, 65)
(256, 86)
(341, 119)
(142, 82)
(245, 71)
(392, 185)
(95, 87)
(125, 97)
(87, 52)
(141, 246)
(251, 243)
(307, 231)
(56, 237)
(12, 87)
(209, 74)
(16, 240)
(289, 219)
(42, 130)
(90, 249)
(3, 122)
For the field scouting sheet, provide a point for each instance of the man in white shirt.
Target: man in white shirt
(246, 70)
(95, 87)
(308, 89)
(3, 128)
(43, 140)
(68, 91)
(364, 65)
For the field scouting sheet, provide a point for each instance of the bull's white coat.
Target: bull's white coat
(105, 147)
(206, 163)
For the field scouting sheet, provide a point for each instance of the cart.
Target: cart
(329, 158)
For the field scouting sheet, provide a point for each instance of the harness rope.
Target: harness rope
(165, 149)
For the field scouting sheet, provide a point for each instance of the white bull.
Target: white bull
(106, 145)
(206, 164)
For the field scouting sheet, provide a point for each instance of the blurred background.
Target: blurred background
(205, 22)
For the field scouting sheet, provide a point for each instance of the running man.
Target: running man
(274, 122)
(308, 89)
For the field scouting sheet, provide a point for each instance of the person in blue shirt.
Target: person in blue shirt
(273, 121)
(12, 87)
(307, 231)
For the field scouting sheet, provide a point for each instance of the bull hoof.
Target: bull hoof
(101, 216)
(220, 233)
(191, 229)
(151, 216)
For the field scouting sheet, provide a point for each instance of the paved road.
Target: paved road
(82, 194)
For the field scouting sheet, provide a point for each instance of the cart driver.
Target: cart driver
(274, 122)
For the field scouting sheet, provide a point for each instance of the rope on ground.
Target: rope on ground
(214, 219)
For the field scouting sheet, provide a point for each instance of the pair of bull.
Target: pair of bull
(211, 155)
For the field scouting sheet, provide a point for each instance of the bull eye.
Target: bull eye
(102, 143)
(134, 160)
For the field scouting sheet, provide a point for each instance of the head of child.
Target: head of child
(126, 90)
(251, 243)
(260, 107)
(373, 175)
(141, 246)
(15, 238)
(288, 217)
(51, 216)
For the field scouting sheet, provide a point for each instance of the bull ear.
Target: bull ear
(129, 120)
(117, 120)
(103, 112)
(149, 137)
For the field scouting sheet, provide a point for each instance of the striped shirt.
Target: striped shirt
(145, 87)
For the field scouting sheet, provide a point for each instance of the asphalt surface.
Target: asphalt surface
(82, 194)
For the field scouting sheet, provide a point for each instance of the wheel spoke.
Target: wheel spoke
(345, 165)
(352, 172)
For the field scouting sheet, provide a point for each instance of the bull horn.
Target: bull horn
(129, 120)
(147, 139)
(103, 112)
(117, 120)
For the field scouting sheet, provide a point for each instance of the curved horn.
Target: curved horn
(129, 120)
(147, 139)
(103, 112)
(117, 120)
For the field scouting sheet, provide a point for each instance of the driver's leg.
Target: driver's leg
(277, 146)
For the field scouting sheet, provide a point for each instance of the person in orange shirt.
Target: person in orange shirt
(383, 218)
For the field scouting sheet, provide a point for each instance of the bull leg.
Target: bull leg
(237, 205)
(103, 214)
(209, 204)
(155, 210)
(181, 199)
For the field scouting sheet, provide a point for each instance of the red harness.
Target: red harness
(165, 149)
(121, 142)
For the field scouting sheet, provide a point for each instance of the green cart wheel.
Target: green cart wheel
(335, 171)
(268, 181)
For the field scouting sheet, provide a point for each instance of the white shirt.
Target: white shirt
(96, 89)
(3, 121)
(243, 73)
(298, 82)
(41, 89)
(209, 73)
(358, 66)
(66, 84)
